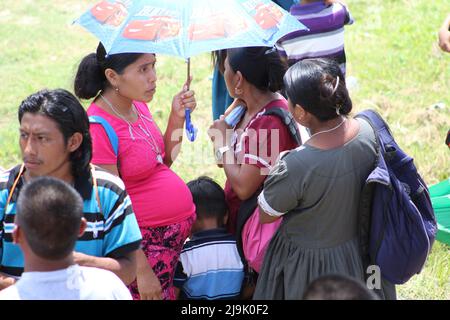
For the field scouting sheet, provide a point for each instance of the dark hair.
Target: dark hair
(337, 287)
(218, 59)
(63, 107)
(311, 84)
(91, 79)
(261, 66)
(49, 212)
(209, 198)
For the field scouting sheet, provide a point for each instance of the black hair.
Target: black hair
(49, 212)
(261, 66)
(337, 287)
(63, 107)
(218, 59)
(90, 78)
(313, 84)
(209, 199)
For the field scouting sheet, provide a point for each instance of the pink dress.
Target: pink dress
(161, 201)
(152, 186)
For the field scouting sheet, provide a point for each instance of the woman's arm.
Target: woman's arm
(148, 283)
(111, 168)
(265, 218)
(245, 179)
(173, 136)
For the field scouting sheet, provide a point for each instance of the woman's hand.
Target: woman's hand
(6, 281)
(185, 99)
(220, 132)
(148, 285)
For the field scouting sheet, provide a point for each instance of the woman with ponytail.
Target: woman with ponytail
(121, 85)
(316, 188)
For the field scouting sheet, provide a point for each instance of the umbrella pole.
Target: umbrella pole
(188, 61)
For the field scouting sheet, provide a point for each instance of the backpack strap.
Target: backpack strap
(11, 192)
(13, 188)
(288, 120)
(95, 185)
(112, 136)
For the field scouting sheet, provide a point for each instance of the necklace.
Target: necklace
(329, 130)
(147, 133)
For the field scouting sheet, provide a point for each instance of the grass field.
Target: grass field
(391, 51)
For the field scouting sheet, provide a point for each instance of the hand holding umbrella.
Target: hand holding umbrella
(183, 104)
(186, 28)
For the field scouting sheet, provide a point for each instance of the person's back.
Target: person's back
(72, 283)
(334, 180)
(316, 187)
(48, 222)
(325, 37)
(210, 266)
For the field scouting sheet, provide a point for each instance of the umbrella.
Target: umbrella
(184, 28)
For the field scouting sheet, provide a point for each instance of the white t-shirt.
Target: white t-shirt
(73, 283)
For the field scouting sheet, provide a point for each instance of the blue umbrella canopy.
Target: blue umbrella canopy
(186, 27)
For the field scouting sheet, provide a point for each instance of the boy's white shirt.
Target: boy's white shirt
(72, 283)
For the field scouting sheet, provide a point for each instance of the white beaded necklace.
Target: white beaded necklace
(329, 130)
(147, 133)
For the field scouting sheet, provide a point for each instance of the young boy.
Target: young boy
(210, 267)
(48, 222)
(325, 37)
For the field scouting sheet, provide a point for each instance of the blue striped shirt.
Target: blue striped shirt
(111, 232)
(210, 267)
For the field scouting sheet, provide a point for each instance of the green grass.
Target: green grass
(391, 50)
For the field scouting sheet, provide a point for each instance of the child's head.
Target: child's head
(49, 217)
(209, 200)
(337, 287)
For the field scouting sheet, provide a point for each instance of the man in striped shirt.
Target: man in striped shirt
(325, 37)
(55, 142)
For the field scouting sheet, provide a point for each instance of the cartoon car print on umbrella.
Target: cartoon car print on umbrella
(267, 15)
(109, 13)
(155, 28)
(215, 27)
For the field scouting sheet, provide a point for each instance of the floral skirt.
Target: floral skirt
(162, 247)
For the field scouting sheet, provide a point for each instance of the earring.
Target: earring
(237, 91)
(117, 89)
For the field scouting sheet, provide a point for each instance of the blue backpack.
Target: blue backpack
(402, 226)
(112, 136)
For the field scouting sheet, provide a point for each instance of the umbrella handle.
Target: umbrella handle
(188, 62)
(191, 131)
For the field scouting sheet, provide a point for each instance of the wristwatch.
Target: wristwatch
(219, 153)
